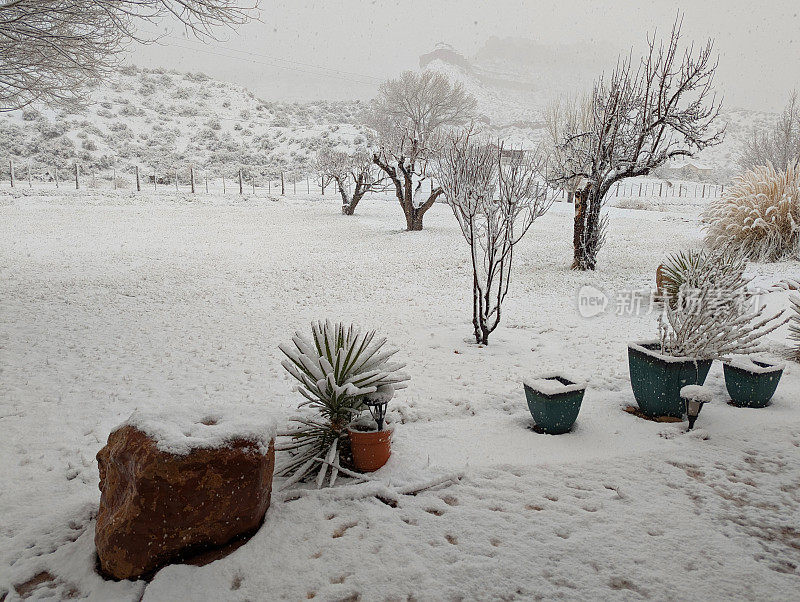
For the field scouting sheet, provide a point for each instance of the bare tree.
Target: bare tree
(562, 115)
(409, 116)
(51, 49)
(780, 146)
(340, 167)
(641, 116)
(495, 201)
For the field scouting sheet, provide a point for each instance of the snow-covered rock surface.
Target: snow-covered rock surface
(181, 430)
(111, 303)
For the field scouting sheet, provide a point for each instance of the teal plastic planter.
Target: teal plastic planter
(554, 402)
(657, 379)
(752, 383)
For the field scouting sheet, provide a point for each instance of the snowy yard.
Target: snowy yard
(109, 303)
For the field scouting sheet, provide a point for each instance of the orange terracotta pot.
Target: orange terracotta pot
(370, 450)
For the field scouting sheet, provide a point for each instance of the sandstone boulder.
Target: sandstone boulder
(177, 484)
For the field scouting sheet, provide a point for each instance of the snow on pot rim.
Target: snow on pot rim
(551, 383)
(697, 393)
(755, 365)
(642, 347)
(179, 431)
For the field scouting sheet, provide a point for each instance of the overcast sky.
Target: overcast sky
(312, 49)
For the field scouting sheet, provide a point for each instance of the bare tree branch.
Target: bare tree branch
(638, 118)
(50, 50)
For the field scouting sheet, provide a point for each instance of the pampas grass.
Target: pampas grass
(759, 216)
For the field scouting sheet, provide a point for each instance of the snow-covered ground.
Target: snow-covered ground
(114, 302)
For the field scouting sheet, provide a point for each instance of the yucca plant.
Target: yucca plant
(794, 324)
(336, 368)
(676, 270)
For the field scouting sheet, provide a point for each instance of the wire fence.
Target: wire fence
(249, 180)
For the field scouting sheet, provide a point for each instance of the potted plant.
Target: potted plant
(554, 402)
(705, 315)
(751, 383)
(657, 378)
(370, 442)
(337, 368)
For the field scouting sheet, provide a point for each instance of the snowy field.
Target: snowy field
(113, 302)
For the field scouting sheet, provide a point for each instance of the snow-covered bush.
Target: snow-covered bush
(794, 325)
(336, 368)
(759, 216)
(712, 316)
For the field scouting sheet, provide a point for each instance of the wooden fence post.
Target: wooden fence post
(308, 185)
(240, 181)
(283, 189)
(77, 174)
(115, 178)
(11, 171)
(138, 184)
(55, 174)
(191, 177)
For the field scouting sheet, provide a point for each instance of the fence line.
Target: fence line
(659, 189)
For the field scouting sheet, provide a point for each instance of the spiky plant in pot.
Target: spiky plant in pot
(710, 317)
(336, 368)
(675, 271)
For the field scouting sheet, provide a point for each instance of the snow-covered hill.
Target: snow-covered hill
(170, 120)
(166, 121)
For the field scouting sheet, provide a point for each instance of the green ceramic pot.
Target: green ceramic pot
(554, 402)
(657, 379)
(752, 386)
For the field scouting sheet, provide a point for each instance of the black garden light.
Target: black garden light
(694, 398)
(377, 407)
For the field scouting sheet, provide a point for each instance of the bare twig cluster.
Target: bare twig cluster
(779, 146)
(712, 316)
(495, 197)
(51, 49)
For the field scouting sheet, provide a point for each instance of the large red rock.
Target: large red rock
(173, 486)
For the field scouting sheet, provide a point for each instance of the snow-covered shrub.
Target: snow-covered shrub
(712, 315)
(759, 216)
(336, 368)
(794, 325)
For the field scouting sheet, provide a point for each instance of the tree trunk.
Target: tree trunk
(579, 229)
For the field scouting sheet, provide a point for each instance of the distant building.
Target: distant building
(692, 170)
